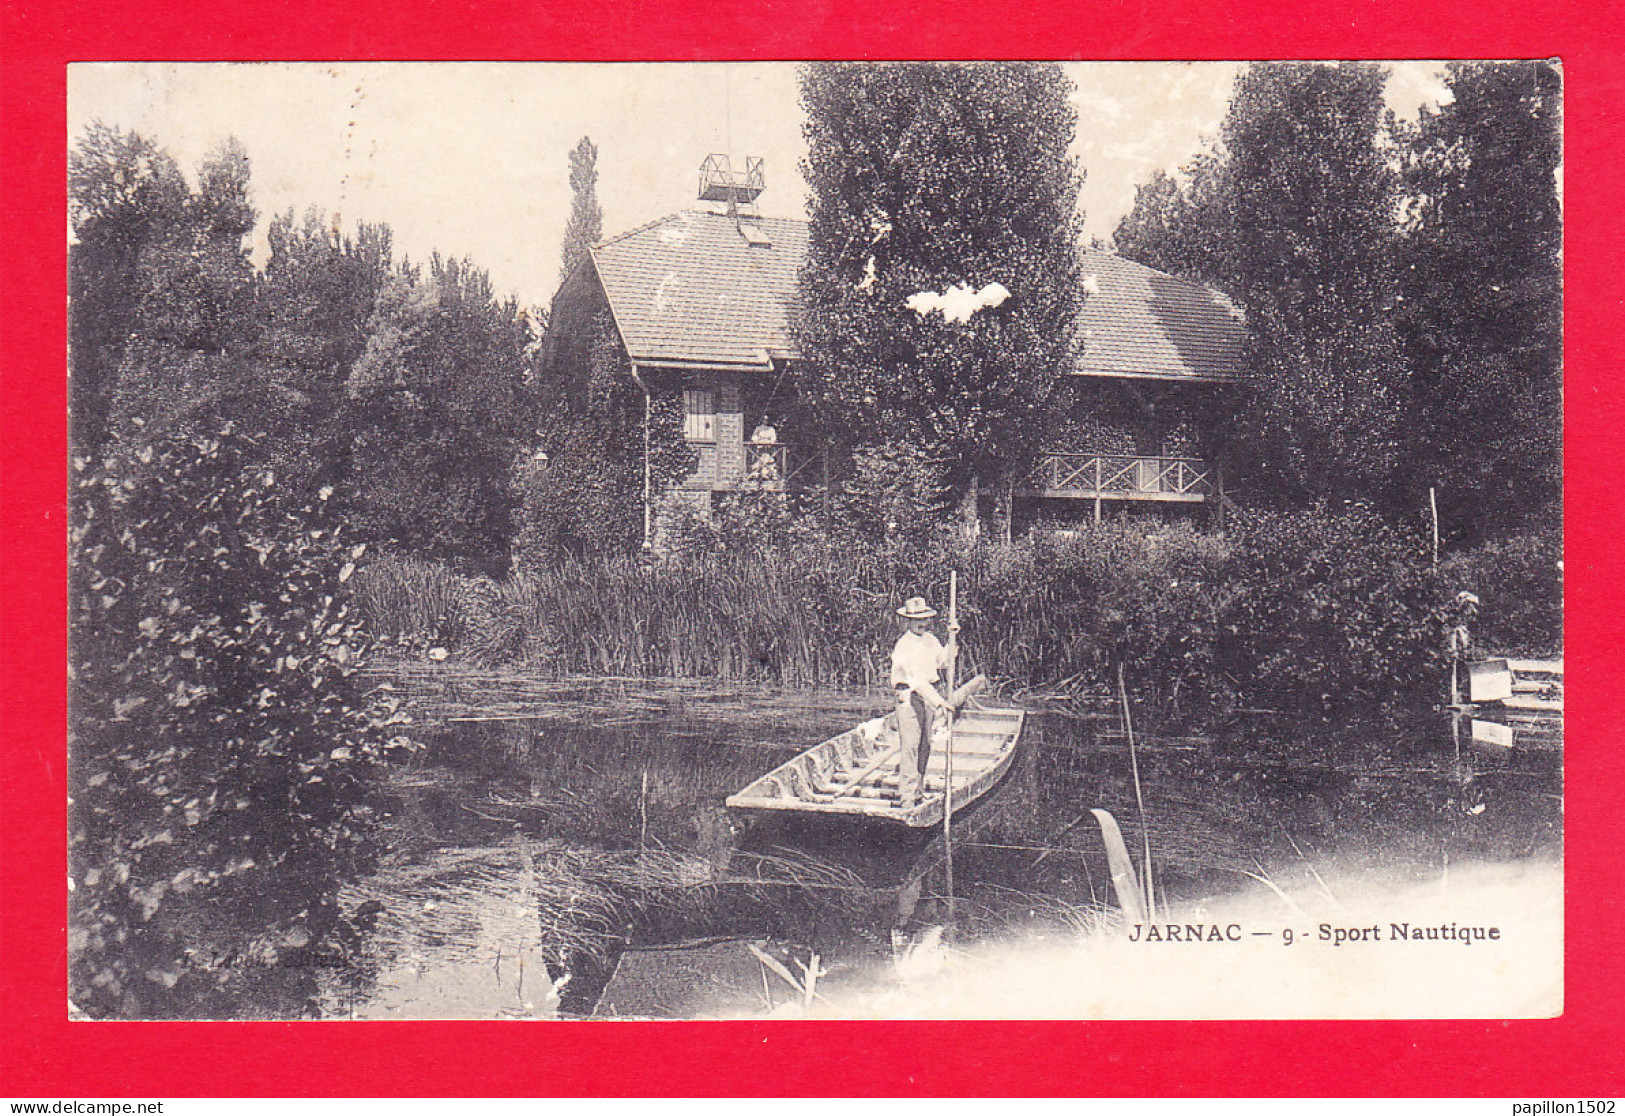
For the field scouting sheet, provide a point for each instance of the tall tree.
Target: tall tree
(1292, 215)
(193, 320)
(437, 406)
(1482, 283)
(586, 223)
(124, 194)
(316, 294)
(939, 180)
(1308, 198)
(314, 301)
(1178, 223)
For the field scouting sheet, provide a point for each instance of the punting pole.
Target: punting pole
(948, 753)
(1433, 509)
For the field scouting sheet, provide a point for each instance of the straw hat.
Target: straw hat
(1466, 598)
(916, 609)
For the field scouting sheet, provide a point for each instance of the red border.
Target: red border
(42, 1055)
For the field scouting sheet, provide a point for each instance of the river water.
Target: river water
(561, 849)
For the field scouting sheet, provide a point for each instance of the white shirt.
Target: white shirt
(917, 660)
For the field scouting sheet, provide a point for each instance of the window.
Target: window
(699, 415)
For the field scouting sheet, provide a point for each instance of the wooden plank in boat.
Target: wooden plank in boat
(1532, 704)
(819, 780)
(1488, 680)
(892, 779)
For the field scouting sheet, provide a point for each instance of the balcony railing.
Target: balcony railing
(765, 469)
(1118, 477)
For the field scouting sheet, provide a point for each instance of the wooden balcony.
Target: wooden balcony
(1089, 476)
(766, 469)
(771, 468)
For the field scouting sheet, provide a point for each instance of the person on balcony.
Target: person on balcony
(917, 662)
(764, 462)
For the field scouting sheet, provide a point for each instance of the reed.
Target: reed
(1124, 881)
(728, 617)
(408, 600)
(1312, 611)
(805, 986)
(575, 900)
(1139, 797)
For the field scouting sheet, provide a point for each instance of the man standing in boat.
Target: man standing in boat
(917, 662)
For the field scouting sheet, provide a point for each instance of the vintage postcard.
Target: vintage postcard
(566, 541)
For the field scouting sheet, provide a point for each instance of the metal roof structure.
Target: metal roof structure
(707, 290)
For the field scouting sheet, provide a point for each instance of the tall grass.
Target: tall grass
(1314, 608)
(1038, 613)
(729, 617)
(405, 599)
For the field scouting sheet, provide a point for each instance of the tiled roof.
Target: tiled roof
(1141, 321)
(690, 288)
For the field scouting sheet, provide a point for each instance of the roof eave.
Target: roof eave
(680, 364)
(609, 299)
(1177, 377)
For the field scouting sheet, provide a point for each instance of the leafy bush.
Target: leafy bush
(1069, 607)
(896, 492)
(1519, 582)
(682, 530)
(1327, 608)
(221, 747)
(582, 501)
(754, 519)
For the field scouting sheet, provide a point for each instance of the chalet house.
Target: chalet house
(700, 303)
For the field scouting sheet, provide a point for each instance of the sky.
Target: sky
(471, 159)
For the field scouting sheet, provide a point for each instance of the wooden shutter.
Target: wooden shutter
(699, 415)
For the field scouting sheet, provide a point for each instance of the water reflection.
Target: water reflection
(577, 858)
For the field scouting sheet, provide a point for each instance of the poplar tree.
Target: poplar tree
(924, 178)
(1309, 252)
(586, 223)
(1292, 216)
(1178, 223)
(1483, 304)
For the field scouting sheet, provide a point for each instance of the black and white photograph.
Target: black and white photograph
(815, 540)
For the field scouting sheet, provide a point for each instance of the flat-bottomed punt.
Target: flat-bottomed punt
(1526, 685)
(856, 773)
(1515, 702)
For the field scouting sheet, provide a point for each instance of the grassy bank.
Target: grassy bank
(1308, 609)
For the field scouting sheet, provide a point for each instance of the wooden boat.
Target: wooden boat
(1522, 685)
(1515, 702)
(855, 773)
